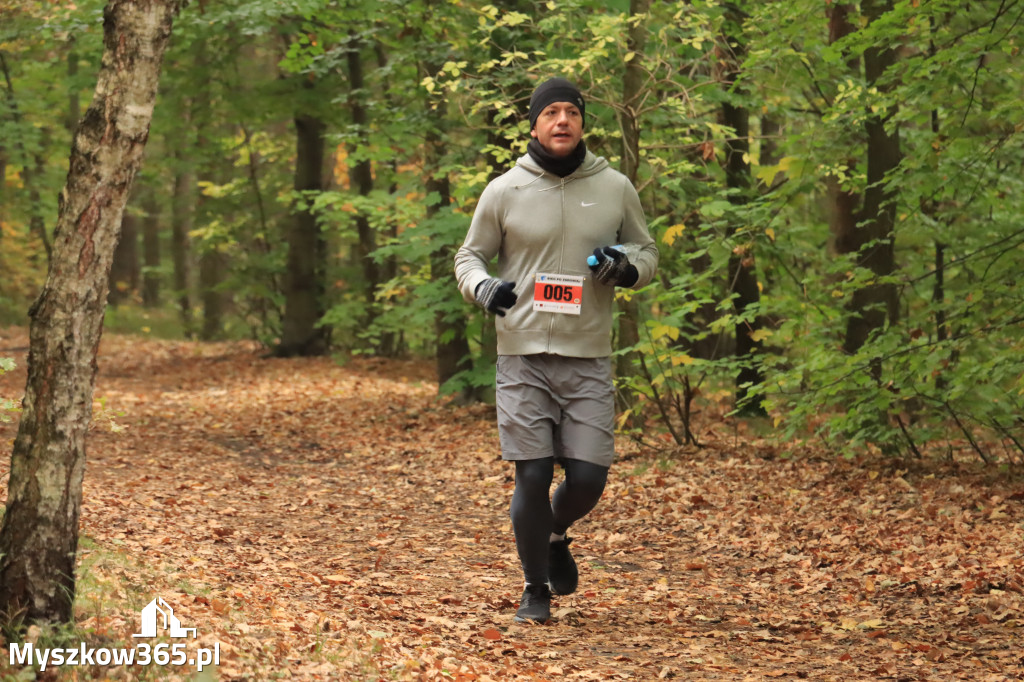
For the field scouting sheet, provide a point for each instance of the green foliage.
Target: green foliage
(48, 53)
(444, 92)
(948, 369)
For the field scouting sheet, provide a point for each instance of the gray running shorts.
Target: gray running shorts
(554, 406)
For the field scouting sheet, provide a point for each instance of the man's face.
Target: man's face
(559, 128)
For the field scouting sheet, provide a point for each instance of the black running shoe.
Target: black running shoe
(535, 604)
(563, 576)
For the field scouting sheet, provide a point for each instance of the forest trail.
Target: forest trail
(329, 522)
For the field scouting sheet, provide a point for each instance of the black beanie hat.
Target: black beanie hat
(555, 90)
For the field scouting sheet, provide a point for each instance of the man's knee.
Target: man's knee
(534, 476)
(585, 478)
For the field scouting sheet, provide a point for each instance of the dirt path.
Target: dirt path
(335, 522)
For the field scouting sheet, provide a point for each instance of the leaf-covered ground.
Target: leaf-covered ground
(326, 521)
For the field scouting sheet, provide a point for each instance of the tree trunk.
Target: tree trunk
(873, 234)
(124, 270)
(181, 225)
(212, 266)
(391, 343)
(929, 209)
(629, 122)
(151, 250)
(770, 133)
(3, 188)
(39, 535)
(360, 175)
(453, 354)
(842, 203)
(215, 302)
(743, 285)
(37, 222)
(303, 305)
(74, 105)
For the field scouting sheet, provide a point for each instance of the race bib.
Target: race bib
(558, 293)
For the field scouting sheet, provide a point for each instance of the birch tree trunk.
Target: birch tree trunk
(39, 535)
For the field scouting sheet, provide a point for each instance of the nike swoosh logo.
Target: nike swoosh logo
(585, 204)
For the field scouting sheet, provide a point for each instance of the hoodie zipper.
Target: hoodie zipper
(561, 256)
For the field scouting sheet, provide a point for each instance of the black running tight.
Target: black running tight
(535, 517)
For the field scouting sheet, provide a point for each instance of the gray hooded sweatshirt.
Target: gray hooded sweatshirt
(536, 222)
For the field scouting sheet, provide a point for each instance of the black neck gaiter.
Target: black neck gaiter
(559, 165)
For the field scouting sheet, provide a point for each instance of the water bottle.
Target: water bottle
(592, 259)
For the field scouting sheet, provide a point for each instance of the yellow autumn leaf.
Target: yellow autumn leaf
(660, 331)
(759, 335)
(623, 419)
(673, 233)
(682, 359)
(771, 234)
(767, 174)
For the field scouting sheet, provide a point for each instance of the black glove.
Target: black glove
(494, 294)
(613, 268)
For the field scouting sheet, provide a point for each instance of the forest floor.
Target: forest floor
(326, 521)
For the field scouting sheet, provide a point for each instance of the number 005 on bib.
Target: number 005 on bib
(558, 293)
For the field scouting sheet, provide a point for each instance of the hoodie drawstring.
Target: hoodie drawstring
(562, 183)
